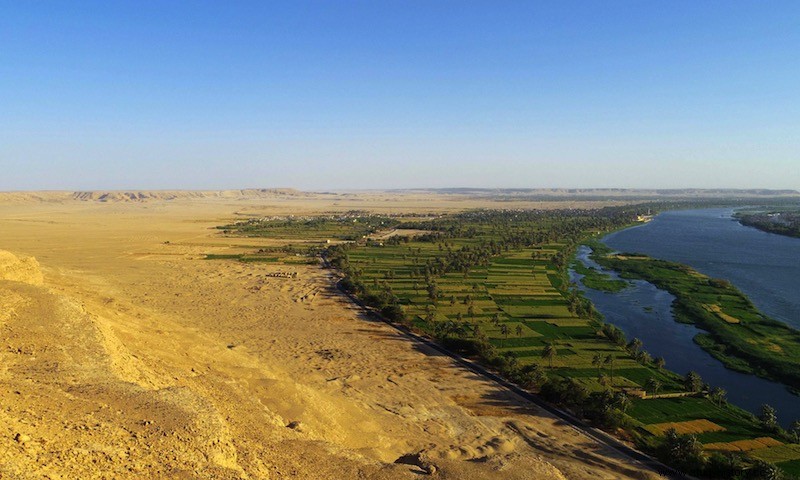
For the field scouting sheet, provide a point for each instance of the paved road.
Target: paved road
(598, 435)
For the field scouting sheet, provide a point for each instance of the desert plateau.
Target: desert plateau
(125, 354)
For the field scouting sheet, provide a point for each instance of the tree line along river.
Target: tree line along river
(764, 266)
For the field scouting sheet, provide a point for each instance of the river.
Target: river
(765, 266)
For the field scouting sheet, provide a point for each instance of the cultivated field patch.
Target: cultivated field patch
(744, 445)
(689, 426)
(778, 454)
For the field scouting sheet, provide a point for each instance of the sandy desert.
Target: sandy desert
(124, 354)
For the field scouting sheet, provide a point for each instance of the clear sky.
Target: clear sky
(339, 94)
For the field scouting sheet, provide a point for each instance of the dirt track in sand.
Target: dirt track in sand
(132, 358)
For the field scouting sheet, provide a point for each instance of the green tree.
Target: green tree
(692, 382)
(597, 361)
(724, 465)
(768, 417)
(660, 363)
(653, 385)
(643, 357)
(718, 395)
(762, 470)
(622, 401)
(682, 451)
(433, 292)
(532, 376)
(504, 330)
(549, 353)
(794, 430)
(635, 345)
(609, 360)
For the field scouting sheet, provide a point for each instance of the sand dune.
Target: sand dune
(122, 356)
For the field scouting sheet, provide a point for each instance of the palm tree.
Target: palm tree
(635, 345)
(718, 395)
(597, 361)
(609, 360)
(693, 382)
(643, 357)
(504, 330)
(433, 292)
(653, 385)
(768, 417)
(765, 470)
(660, 363)
(622, 401)
(463, 329)
(549, 353)
(794, 429)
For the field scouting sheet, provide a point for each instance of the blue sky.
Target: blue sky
(379, 94)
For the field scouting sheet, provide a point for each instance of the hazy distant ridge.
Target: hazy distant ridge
(610, 192)
(546, 194)
(111, 196)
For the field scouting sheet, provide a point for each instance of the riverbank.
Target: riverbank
(739, 335)
(644, 312)
(597, 280)
(779, 222)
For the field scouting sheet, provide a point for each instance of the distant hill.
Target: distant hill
(554, 193)
(113, 196)
(501, 194)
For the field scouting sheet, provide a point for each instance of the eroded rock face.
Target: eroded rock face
(20, 269)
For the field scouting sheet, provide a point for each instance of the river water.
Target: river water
(766, 267)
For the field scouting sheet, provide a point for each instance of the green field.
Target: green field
(493, 285)
(350, 226)
(738, 425)
(791, 468)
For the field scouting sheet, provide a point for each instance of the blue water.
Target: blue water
(764, 266)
